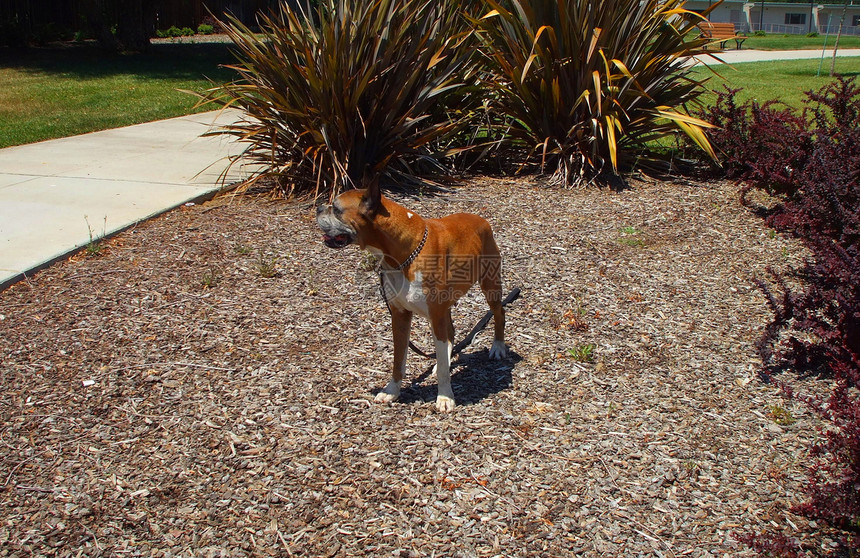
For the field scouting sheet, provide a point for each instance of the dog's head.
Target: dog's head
(350, 218)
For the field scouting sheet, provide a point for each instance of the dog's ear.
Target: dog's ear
(371, 201)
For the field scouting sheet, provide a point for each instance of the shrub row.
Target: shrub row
(811, 160)
(399, 88)
(173, 31)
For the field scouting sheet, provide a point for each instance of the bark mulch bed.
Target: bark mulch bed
(204, 387)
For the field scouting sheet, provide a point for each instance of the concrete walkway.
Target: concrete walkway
(53, 194)
(740, 56)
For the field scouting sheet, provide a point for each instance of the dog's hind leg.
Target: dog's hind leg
(491, 284)
(401, 324)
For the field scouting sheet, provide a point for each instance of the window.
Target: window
(855, 21)
(795, 19)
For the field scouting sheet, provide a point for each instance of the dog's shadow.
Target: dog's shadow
(474, 377)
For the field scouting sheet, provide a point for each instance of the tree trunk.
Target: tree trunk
(133, 19)
(838, 34)
(135, 24)
(98, 19)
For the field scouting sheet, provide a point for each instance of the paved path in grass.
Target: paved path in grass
(739, 56)
(54, 194)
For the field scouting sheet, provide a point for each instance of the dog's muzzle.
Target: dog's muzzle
(336, 233)
(338, 241)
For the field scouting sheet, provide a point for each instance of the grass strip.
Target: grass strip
(783, 80)
(59, 92)
(799, 42)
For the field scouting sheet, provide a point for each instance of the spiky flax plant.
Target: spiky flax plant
(344, 89)
(585, 86)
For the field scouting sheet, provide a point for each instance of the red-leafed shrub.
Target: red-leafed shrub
(760, 144)
(812, 161)
(775, 544)
(834, 479)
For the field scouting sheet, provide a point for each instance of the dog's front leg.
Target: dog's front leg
(442, 330)
(401, 323)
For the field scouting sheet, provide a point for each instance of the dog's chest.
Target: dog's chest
(404, 294)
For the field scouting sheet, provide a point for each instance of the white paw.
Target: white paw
(498, 350)
(445, 404)
(389, 394)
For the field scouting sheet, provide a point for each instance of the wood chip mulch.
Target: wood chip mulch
(204, 387)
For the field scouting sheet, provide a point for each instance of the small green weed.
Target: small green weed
(267, 266)
(573, 318)
(582, 353)
(631, 237)
(94, 246)
(93, 249)
(781, 415)
(241, 249)
(210, 278)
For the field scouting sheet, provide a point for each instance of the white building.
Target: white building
(783, 17)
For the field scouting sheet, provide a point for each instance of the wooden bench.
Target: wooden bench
(722, 32)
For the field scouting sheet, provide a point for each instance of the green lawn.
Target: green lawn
(799, 42)
(783, 80)
(59, 92)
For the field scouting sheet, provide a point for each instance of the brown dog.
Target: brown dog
(427, 265)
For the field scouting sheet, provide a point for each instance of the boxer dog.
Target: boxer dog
(426, 266)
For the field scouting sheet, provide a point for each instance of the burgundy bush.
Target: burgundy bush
(812, 161)
(759, 144)
(775, 544)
